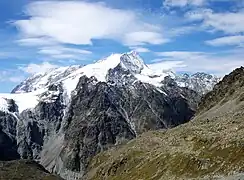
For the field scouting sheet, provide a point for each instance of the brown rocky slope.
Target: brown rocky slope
(211, 146)
(24, 170)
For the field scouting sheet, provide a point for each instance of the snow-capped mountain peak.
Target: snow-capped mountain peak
(69, 76)
(117, 69)
(133, 62)
(129, 61)
(115, 64)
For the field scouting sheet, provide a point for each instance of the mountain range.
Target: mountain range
(65, 117)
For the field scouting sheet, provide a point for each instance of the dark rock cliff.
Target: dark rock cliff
(102, 115)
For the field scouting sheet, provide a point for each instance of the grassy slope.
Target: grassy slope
(24, 170)
(209, 147)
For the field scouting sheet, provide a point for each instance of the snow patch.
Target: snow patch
(3, 104)
(24, 101)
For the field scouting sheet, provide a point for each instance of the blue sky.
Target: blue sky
(188, 35)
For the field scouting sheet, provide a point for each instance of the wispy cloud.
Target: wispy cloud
(160, 65)
(143, 37)
(201, 61)
(7, 76)
(37, 41)
(79, 22)
(183, 3)
(227, 22)
(237, 40)
(37, 68)
(140, 49)
(181, 55)
(61, 52)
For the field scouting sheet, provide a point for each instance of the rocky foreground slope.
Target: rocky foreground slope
(211, 146)
(65, 117)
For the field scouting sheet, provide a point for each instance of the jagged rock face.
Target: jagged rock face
(199, 82)
(8, 143)
(171, 87)
(102, 115)
(101, 124)
(120, 76)
(231, 85)
(132, 62)
(35, 126)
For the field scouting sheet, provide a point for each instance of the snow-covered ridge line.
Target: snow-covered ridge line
(69, 76)
(27, 94)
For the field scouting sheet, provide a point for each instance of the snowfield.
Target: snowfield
(23, 100)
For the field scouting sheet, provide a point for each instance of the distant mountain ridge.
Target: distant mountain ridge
(199, 82)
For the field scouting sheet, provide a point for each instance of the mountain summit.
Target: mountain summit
(120, 65)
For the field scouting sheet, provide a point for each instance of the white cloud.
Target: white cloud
(195, 3)
(16, 79)
(198, 15)
(80, 22)
(38, 68)
(4, 54)
(66, 56)
(50, 51)
(143, 37)
(140, 49)
(228, 40)
(181, 30)
(166, 65)
(183, 3)
(74, 50)
(60, 52)
(181, 55)
(40, 41)
(7, 76)
(227, 22)
(202, 62)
